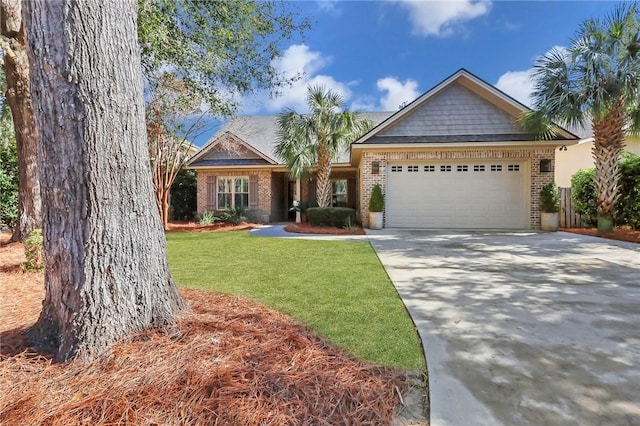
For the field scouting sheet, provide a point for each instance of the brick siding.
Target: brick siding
(264, 187)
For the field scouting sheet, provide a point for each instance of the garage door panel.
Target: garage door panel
(458, 195)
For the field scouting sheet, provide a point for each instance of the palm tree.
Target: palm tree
(316, 139)
(595, 81)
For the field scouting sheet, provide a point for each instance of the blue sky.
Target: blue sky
(379, 54)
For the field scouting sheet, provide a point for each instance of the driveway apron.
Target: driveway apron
(522, 328)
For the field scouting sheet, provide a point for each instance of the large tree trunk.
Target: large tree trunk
(323, 188)
(608, 145)
(106, 273)
(18, 97)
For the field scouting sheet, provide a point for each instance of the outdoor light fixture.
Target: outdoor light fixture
(562, 148)
(375, 168)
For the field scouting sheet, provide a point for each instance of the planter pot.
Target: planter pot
(375, 220)
(549, 221)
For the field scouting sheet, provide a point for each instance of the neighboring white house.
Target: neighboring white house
(578, 157)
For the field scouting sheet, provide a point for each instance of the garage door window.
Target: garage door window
(496, 167)
(429, 168)
(462, 168)
(514, 167)
(478, 168)
(396, 169)
(445, 168)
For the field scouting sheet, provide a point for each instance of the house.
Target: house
(455, 157)
(578, 157)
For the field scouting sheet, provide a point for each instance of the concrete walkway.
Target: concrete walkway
(522, 328)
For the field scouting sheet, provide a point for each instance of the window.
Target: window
(429, 168)
(339, 193)
(413, 168)
(233, 193)
(496, 167)
(375, 168)
(462, 168)
(478, 168)
(514, 167)
(396, 168)
(445, 168)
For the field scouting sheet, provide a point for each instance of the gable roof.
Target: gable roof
(258, 133)
(471, 86)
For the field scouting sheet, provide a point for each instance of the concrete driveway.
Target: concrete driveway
(522, 328)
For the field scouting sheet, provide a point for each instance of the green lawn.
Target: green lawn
(337, 288)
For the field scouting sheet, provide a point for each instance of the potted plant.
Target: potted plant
(376, 205)
(549, 207)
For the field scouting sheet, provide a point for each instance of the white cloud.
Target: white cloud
(520, 84)
(439, 18)
(397, 92)
(517, 84)
(297, 61)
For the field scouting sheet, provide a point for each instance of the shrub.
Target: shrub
(184, 198)
(584, 195)
(376, 202)
(628, 205)
(207, 218)
(550, 198)
(232, 215)
(331, 216)
(34, 252)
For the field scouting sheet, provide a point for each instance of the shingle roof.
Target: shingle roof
(259, 131)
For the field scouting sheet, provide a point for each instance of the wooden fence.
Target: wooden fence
(568, 217)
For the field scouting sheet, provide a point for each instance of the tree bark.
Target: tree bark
(18, 97)
(323, 196)
(608, 145)
(106, 273)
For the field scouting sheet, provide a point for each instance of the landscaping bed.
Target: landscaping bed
(306, 228)
(620, 234)
(230, 361)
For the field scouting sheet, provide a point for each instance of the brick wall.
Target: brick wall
(537, 179)
(264, 187)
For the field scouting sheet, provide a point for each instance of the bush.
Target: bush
(232, 215)
(337, 217)
(628, 205)
(584, 195)
(8, 173)
(376, 202)
(207, 218)
(184, 195)
(34, 252)
(550, 198)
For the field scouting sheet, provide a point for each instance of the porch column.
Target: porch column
(298, 193)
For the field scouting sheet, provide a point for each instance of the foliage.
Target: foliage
(8, 163)
(628, 206)
(584, 195)
(317, 138)
(207, 218)
(221, 49)
(350, 226)
(550, 198)
(376, 202)
(232, 215)
(337, 288)
(337, 217)
(303, 206)
(8, 174)
(184, 195)
(34, 252)
(596, 82)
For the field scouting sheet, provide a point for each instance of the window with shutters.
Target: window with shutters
(233, 192)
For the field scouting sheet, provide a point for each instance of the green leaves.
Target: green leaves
(220, 49)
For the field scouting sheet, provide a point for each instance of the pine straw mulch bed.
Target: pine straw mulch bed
(217, 226)
(306, 228)
(620, 234)
(231, 362)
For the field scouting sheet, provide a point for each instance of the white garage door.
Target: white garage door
(467, 194)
